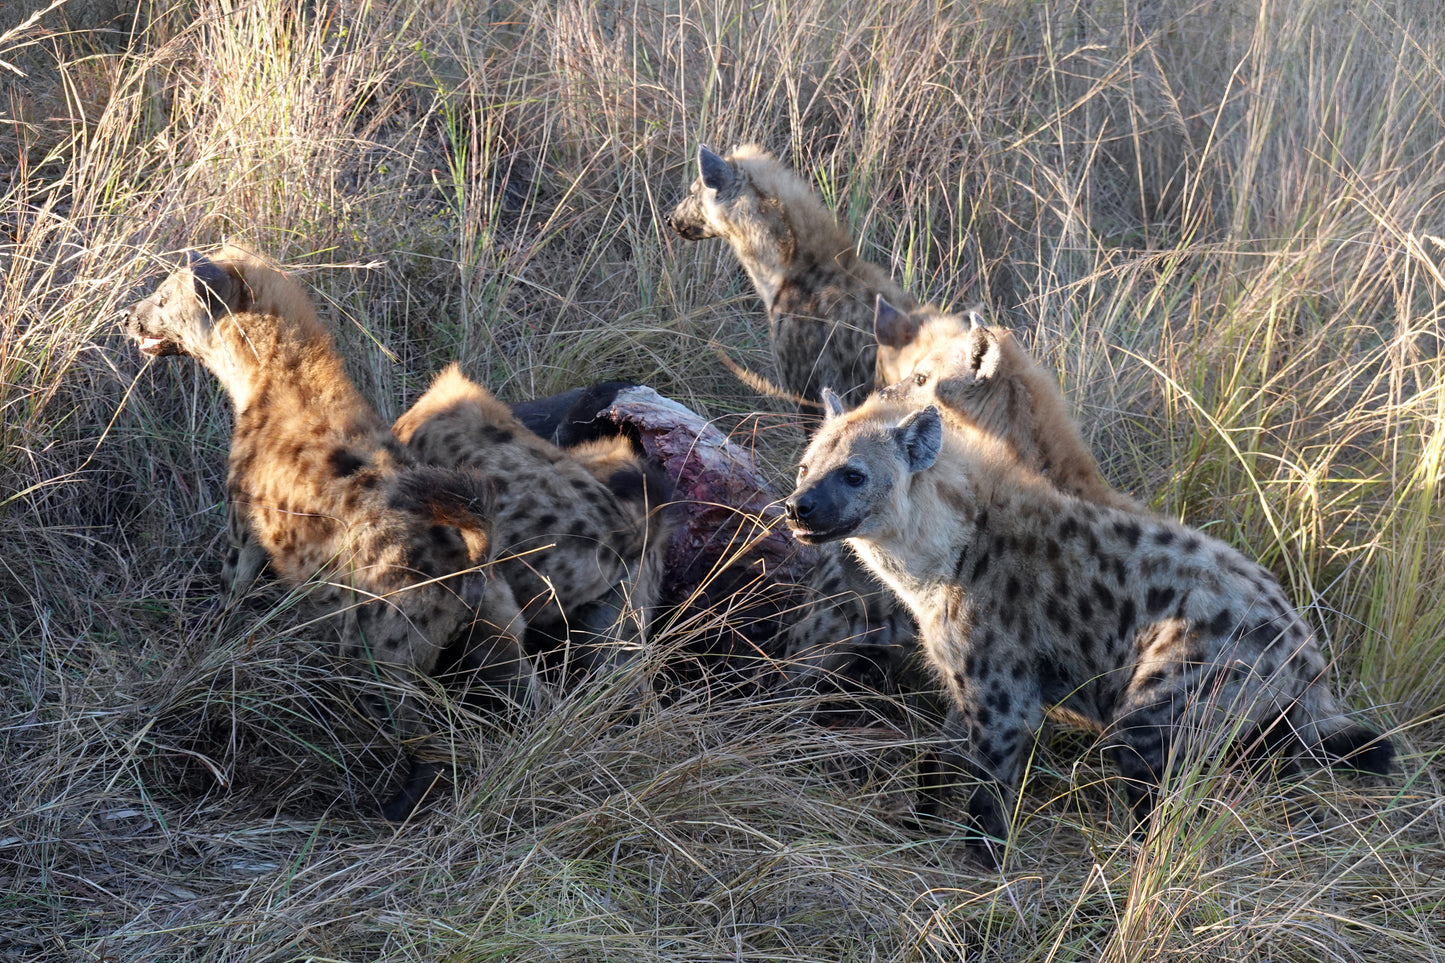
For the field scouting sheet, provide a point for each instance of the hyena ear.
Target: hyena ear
(975, 316)
(219, 289)
(982, 353)
(920, 438)
(832, 405)
(893, 328)
(717, 174)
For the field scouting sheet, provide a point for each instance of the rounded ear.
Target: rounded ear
(218, 288)
(975, 316)
(891, 327)
(982, 353)
(717, 174)
(832, 405)
(920, 438)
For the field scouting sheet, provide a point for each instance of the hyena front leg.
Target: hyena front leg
(988, 732)
(401, 643)
(245, 558)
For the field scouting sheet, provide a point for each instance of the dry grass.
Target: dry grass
(1223, 224)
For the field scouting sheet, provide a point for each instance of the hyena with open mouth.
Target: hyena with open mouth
(396, 552)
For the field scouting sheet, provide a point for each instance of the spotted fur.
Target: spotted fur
(397, 553)
(579, 533)
(1027, 598)
(817, 291)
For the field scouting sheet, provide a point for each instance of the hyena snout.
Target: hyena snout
(686, 221)
(815, 514)
(140, 325)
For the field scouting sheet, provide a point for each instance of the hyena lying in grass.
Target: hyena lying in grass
(579, 535)
(1160, 636)
(397, 552)
(980, 377)
(818, 293)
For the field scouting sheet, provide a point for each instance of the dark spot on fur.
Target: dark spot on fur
(980, 566)
(344, 463)
(1011, 589)
(1052, 685)
(1158, 598)
(1128, 531)
(1127, 618)
(1190, 544)
(495, 435)
(1055, 613)
(1069, 527)
(1103, 596)
(1163, 537)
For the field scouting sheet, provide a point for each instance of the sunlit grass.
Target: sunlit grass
(1221, 224)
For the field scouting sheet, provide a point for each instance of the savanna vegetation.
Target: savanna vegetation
(1223, 224)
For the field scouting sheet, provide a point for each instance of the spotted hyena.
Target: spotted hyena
(818, 293)
(1159, 636)
(396, 552)
(579, 534)
(979, 376)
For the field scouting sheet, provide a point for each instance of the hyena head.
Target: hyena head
(905, 337)
(855, 472)
(747, 199)
(703, 212)
(977, 372)
(178, 317)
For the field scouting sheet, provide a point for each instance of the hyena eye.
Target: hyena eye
(920, 379)
(802, 472)
(854, 477)
(161, 302)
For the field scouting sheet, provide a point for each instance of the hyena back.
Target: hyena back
(578, 534)
(818, 293)
(1158, 635)
(394, 551)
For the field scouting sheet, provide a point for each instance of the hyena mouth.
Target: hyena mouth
(813, 536)
(154, 346)
(690, 231)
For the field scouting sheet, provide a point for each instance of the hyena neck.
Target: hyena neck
(290, 369)
(767, 267)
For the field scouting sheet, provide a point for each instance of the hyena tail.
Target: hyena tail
(1344, 744)
(759, 383)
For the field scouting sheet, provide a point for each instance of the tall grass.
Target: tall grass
(1222, 224)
